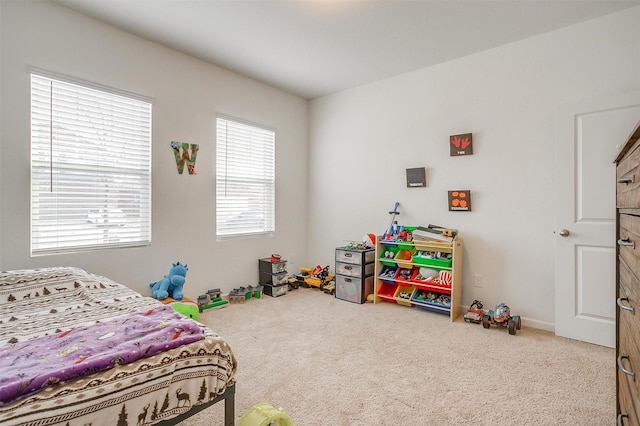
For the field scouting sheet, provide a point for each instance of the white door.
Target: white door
(588, 136)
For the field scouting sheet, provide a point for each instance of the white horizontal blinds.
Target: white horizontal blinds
(245, 179)
(90, 168)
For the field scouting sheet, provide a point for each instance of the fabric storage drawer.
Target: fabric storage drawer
(354, 270)
(269, 267)
(355, 256)
(353, 289)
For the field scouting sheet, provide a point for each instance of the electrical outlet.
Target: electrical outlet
(478, 281)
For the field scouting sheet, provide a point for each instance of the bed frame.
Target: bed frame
(229, 397)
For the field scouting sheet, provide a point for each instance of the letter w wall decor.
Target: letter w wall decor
(184, 157)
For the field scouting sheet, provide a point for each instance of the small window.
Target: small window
(90, 168)
(245, 179)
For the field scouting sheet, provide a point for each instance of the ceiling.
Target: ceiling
(313, 48)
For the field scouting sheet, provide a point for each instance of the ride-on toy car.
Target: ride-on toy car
(475, 313)
(502, 316)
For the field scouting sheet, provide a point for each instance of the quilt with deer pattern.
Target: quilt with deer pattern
(80, 349)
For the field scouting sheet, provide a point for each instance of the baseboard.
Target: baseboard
(547, 326)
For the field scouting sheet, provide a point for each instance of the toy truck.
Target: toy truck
(502, 316)
(475, 313)
(330, 287)
(316, 277)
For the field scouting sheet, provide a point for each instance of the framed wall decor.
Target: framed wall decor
(416, 177)
(460, 201)
(460, 144)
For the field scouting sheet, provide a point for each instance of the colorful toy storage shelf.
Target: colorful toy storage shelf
(422, 274)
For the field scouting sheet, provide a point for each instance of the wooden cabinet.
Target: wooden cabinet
(422, 274)
(628, 282)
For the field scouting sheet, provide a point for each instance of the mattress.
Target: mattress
(41, 308)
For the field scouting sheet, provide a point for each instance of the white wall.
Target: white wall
(362, 140)
(187, 94)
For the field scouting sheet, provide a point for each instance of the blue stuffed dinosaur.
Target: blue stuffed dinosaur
(171, 285)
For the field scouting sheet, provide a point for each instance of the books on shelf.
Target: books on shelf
(434, 233)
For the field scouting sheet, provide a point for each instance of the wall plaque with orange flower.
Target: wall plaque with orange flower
(460, 201)
(460, 145)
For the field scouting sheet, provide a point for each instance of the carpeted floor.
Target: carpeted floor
(330, 362)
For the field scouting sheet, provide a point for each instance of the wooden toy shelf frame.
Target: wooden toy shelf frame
(383, 286)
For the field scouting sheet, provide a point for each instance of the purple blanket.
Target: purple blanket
(33, 365)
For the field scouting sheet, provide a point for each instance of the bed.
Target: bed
(80, 349)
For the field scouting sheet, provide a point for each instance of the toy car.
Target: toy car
(293, 282)
(502, 316)
(316, 277)
(330, 287)
(475, 313)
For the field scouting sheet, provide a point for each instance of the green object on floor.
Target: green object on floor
(186, 310)
(215, 304)
(264, 414)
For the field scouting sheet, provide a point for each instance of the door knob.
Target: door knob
(564, 232)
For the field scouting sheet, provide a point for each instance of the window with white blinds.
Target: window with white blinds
(90, 168)
(245, 179)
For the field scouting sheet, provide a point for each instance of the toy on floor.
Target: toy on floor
(264, 414)
(316, 277)
(293, 282)
(242, 294)
(214, 293)
(172, 283)
(502, 316)
(253, 292)
(235, 296)
(475, 313)
(211, 300)
(330, 287)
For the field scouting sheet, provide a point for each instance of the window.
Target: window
(90, 167)
(245, 179)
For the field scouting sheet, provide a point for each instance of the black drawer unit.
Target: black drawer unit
(354, 274)
(273, 275)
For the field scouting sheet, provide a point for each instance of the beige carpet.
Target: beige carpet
(330, 362)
